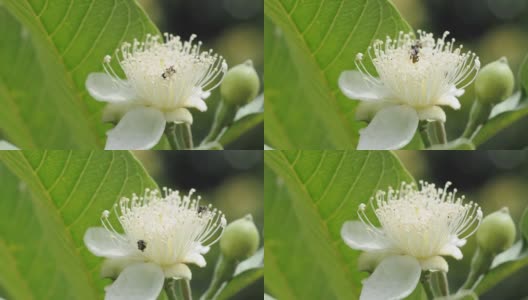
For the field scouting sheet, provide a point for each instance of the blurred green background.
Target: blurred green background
(231, 180)
(232, 28)
(493, 179)
(490, 28)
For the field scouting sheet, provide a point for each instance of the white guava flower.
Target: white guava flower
(161, 236)
(163, 80)
(416, 77)
(417, 227)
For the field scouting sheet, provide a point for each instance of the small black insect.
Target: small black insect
(415, 51)
(168, 72)
(142, 245)
(201, 209)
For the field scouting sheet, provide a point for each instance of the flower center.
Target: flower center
(166, 74)
(167, 229)
(421, 222)
(419, 71)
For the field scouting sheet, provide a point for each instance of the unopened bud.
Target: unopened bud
(495, 82)
(497, 232)
(241, 84)
(240, 239)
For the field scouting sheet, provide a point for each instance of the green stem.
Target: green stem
(480, 265)
(185, 286)
(423, 125)
(440, 132)
(443, 285)
(478, 116)
(426, 283)
(170, 289)
(224, 116)
(223, 272)
(179, 136)
(170, 132)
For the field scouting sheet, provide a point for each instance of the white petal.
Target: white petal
(392, 128)
(394, 278)
(102, 87)
(195, 258)
(112, 267)
(197, 102)
(7, 146)
(452, 250)
(141, 281)
(113, 112)
(102, 243)
(354, 86)
(180, 115)
(433, 113)
(366, 111)
(201, 249)
(178, 271)
(139, 129)
(451, 98)
(356, 236)
(435, 263)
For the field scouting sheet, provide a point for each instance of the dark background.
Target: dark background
(232, 28)
(231, 180)
(493, 179)
(491, 28)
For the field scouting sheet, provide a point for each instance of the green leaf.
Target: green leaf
(44, 64)
(49, 199)
(523, 225)
(240, 127)
(307, 46)
(523, 75)
(308, 197)
(501, 272)
(239, 282)
(500, 122)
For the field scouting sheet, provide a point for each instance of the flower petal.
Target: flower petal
(112, 267)
(139, 129)
(433, 113)
(435, 263)
(180, 115)
(195, 258)
(356, 236)
(197, 102)
(102, 87)
(394, 278)
(354, 86)
(451, 98)
(178, 271)
(392, 128)
(141, 281)
(452, 250)
(113, 112)
(102, 242)
(367, 110)
(7, 146)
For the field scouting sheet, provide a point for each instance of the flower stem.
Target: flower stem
(426, 283)
(185, 286)
(179, 136)
(224, 116)
(170, 289)
(480, 265)
(423, 126)
(440, 132)
(478, 116)
(443, 285)
(223, 271)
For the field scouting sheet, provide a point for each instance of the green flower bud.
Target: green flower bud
(497, 232)
(241, 84)
(240, 239)
(495, 82)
